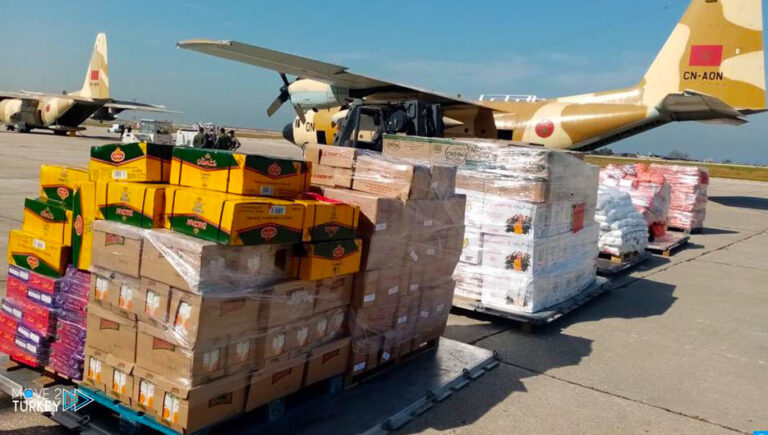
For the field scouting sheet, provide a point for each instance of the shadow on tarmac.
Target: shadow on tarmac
(754, 203)
(546, 348)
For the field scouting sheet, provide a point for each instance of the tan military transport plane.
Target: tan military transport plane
(63, 113)
(710, 69)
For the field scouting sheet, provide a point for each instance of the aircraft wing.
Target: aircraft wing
(130, 105)
(16, 96)
(336, 75)
(34, 96)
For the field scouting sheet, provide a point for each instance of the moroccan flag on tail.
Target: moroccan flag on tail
(706, 55)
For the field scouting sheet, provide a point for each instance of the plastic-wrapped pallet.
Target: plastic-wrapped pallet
(530, 238)
(650, 193)
(688, 205)
(176, 322)
(622, 228)
(412, 226)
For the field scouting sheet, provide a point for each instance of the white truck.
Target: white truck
(150, 130)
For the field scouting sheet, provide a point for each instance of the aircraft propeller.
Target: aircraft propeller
(284, 96)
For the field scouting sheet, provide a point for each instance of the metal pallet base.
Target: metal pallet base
(400, 395)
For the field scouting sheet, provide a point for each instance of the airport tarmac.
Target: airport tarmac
(678, 346)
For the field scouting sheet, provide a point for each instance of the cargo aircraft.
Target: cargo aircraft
(711, 69)
(63, 113)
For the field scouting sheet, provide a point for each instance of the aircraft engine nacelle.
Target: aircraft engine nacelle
(105, 114)
(51, 109)
(311, 94)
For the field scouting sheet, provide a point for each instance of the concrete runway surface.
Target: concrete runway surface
(679, 346)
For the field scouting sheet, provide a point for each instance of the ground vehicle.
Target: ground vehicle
(150, 130)
(116, 128)
(185, 136)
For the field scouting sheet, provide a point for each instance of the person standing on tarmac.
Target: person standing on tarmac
(199, 140)
(235, 142)
(223, 141)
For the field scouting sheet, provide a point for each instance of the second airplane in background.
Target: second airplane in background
(63, 113)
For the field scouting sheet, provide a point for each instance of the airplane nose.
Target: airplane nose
(288, 132)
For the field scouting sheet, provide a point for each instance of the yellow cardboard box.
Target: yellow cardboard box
(244, 174)
(131, 162)
(327, 259)
(138, 204)
(37, 254)
(58, 182)
(48, 219)
(328, 219)
(233, 219)
(84, 213)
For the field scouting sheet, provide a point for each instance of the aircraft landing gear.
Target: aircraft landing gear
(10, 128)
(22, 127)
(59, 132)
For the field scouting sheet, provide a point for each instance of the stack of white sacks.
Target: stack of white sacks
(623, 229)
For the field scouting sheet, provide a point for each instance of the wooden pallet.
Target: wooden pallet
(418, 350)
(48, 376)
(530, 320)
(608, 265)
(687, 231)
(667, 244)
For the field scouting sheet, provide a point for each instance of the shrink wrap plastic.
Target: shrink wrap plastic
(530, 239)
(622, 228)
(207, 311)
(650, 192)
(688, 205)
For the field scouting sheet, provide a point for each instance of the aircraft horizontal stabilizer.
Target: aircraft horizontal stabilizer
(694, 106)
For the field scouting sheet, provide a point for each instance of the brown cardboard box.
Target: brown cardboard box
(450, 212)
(364, 354)
(95, 369)
(407, 312)
(471, 180)
(442, 181)
(111, 333)
(301, 335)
(197, 318)
(383, 251)
(152, 301)
(518, 188)
(383, 286)
(328, 325)
(158, 352)
(332, 177)
(275, 342)
(117, 247)
(245, 354)
(119, 379)
(377, 319)
(115, 291)
(391, 178)
(286, 301)
(333, 292)
(197, 265)
(377, 215)
(329, 155)
(189, 409)
(275, 382)
(327, 361)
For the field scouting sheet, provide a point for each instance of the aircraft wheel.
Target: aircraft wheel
(60, 132)
(10, 128)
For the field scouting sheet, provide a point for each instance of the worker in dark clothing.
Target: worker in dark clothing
(199, 139)
(223, 141)
(235, 142)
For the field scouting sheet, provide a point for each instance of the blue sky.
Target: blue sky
(547, 48)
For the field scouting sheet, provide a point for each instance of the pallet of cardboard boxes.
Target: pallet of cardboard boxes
(531, 240)
(206, 301)
(412, 226)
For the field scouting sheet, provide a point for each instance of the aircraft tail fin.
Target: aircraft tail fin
(96, 84)
(716, 49)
